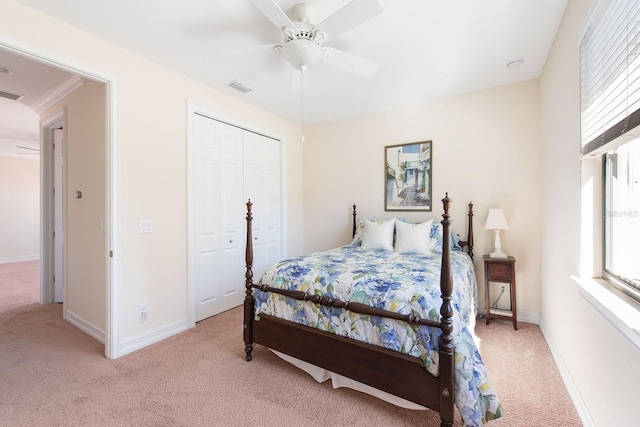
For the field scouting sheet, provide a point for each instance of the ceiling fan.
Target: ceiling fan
(303, 41)
(35, 151)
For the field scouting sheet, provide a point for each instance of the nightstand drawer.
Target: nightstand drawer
(499, 271)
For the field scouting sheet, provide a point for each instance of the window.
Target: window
(622, 215)
(610, 104)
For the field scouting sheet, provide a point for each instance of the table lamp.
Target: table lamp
(496, 222)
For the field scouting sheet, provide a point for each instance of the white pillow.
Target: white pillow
(413, 237)
(378, 235)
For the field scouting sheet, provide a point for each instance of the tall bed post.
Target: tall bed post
(353, 229)
(248, 298)
(446, 321)
(470, 231)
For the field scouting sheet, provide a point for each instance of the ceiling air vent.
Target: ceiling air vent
(240, 87)
(10, 96)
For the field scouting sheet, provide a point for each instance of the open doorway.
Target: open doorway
(31, 190)
(19, 198)
(28, 87)
(88, 242)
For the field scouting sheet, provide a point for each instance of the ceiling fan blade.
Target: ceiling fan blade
(271, 10)
(349, 62)
(27, 148)
(350, 16)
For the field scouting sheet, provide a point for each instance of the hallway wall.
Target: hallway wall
(84, 238)
(20, 212)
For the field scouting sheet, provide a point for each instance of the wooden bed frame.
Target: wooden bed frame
(387, 370)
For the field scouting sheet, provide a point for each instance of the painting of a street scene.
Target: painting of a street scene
(408, 177)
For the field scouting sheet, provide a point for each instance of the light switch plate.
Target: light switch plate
(145, 226)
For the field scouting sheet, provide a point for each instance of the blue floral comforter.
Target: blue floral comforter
(397, 282)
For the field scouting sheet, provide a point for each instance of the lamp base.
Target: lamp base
(498, 254)
(497, 251)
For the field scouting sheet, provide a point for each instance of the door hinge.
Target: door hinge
(54, 279)
(111, 254)
(54, 234)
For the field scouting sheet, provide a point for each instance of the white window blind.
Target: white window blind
(610, 74)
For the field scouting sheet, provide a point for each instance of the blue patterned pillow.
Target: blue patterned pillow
(436, 239)
(357, 238)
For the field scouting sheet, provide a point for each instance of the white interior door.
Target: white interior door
(262, 186)
(206, 219)
(58, 236)
(228, 165)
(231, 182)
(218, 233)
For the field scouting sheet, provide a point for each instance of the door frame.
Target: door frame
(112, 164)
(47, 207)
(192, 109)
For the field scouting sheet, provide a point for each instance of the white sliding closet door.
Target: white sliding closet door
(262, 186)
(230, 165)
(217, 221)
(232, 226)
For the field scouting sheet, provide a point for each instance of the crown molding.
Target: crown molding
(67, 86)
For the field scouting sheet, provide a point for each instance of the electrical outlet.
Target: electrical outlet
(500, 295)
(143, 314)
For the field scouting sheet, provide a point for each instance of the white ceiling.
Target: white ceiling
(19, 130)
(19, 124)
(425, 49)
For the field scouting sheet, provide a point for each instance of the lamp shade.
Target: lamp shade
(496, 220)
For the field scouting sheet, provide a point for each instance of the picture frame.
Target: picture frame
(408, 176)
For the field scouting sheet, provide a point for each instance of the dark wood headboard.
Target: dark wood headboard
(468, 244)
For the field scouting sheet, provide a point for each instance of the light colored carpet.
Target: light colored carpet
(51, 374)
(19, 284)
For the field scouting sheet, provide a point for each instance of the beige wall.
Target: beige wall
(19, 209)
(601, 365)
(84, 163)
(151, 139)
(485, 150)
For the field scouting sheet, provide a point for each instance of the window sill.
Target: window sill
(620, 310)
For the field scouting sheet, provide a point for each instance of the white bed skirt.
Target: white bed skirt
(321, 375)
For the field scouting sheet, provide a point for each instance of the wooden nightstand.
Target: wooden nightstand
(501, 270)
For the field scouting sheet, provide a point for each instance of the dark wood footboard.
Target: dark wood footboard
(390, 371)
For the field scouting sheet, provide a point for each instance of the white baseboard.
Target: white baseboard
(581, 407)
(152, 337)
(85, 326)
(19, 259)
(529, 317)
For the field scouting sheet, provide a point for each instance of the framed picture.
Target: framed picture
(407, 182)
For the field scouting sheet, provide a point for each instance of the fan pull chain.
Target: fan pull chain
(302, 72)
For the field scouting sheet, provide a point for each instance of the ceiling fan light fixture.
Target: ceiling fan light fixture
(303, 53)
(303, 41)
